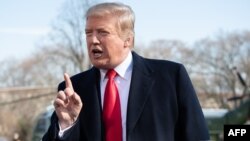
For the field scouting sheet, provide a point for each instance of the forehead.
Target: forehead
(101, 22)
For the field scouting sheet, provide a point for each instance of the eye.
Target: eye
(88, 33)
(103, 33)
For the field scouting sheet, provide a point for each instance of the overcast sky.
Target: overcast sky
(23, 23)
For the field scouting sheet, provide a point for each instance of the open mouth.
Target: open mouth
(97, 53)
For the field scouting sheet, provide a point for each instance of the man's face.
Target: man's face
(106, 48)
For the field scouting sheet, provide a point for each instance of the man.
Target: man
(154, 99)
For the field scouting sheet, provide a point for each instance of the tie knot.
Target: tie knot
(111, 73)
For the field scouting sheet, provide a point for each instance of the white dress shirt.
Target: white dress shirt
(122, 80)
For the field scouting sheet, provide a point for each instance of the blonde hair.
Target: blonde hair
(124, 14)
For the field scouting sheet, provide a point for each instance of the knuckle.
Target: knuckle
(61, 95)
(68, 91)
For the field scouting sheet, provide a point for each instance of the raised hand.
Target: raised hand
(67, 104)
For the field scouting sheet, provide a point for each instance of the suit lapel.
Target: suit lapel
(93, 124)
(141, 83)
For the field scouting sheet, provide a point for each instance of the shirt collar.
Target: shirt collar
(121, 69)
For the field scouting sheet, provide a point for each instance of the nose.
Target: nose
(93, 38)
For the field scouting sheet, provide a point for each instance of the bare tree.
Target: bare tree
(164, 49)
(216, 58)
(244, 67)
(68, 32)
(43, 68)
(210, 61)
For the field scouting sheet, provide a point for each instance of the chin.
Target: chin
(103, 63)
(100, 65)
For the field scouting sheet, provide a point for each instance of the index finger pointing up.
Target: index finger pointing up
(68, 81)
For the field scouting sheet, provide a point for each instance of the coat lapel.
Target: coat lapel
(93, 126)
(141, 83)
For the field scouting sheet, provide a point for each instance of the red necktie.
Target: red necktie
(112, 110)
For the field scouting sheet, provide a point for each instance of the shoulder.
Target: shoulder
(88, 74)
(81, 78)
(156, 64)
(164, 66)
(161, 67)
(162, 63)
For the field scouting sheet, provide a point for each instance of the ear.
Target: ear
(127, 42)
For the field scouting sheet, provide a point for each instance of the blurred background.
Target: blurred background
(42, 39)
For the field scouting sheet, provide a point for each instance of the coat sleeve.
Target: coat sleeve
(69, 135)
(73, 134)
(191, 125)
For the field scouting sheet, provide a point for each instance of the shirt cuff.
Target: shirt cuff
(61, 132)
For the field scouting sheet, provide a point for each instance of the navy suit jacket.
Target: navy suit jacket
(162, 105)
